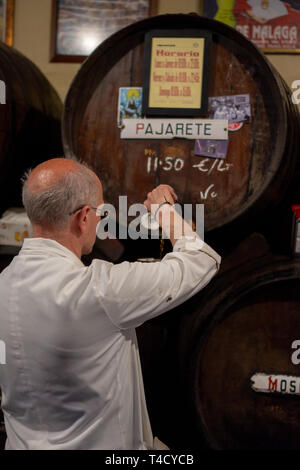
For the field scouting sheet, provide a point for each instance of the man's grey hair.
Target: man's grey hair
(53, 206)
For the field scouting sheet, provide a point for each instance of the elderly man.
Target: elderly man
(72, 378)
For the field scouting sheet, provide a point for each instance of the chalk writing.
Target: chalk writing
(207, 165)
(208, 192)
(168, 164)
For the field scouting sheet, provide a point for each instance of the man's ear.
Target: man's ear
(81, 218)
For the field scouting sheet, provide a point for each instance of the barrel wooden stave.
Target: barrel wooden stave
(245, 323)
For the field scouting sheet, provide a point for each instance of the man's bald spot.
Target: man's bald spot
(47, 174)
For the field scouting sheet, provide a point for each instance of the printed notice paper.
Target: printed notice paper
(176, 72)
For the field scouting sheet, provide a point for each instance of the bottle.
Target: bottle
(225, 12)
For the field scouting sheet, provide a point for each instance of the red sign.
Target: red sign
(273, 25)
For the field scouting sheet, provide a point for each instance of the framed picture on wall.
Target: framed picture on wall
(272, 25)
(79, 26)
(6, 21)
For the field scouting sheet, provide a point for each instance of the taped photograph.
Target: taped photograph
(130, 103)
(235, 108)
(211, 148)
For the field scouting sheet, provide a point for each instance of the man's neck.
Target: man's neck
(66, 239)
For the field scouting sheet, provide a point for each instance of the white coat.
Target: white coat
(72, 378)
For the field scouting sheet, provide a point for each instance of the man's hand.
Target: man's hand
(161, 194)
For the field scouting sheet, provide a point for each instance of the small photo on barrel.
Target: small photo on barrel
(235, 108)
(211, 148)
(130, 103)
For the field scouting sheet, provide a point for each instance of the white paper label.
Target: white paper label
(273, 383)
(174, 128)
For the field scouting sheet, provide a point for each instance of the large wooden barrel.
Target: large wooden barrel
(30, 122)
(260, 170)
(239, 356)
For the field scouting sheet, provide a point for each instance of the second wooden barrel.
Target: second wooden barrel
(260, 170)
(240, 357)
(30, 122)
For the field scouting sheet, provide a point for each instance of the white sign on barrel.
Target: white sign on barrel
(174, 128)
(275, 383)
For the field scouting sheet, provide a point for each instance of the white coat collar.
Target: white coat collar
(50, 246)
